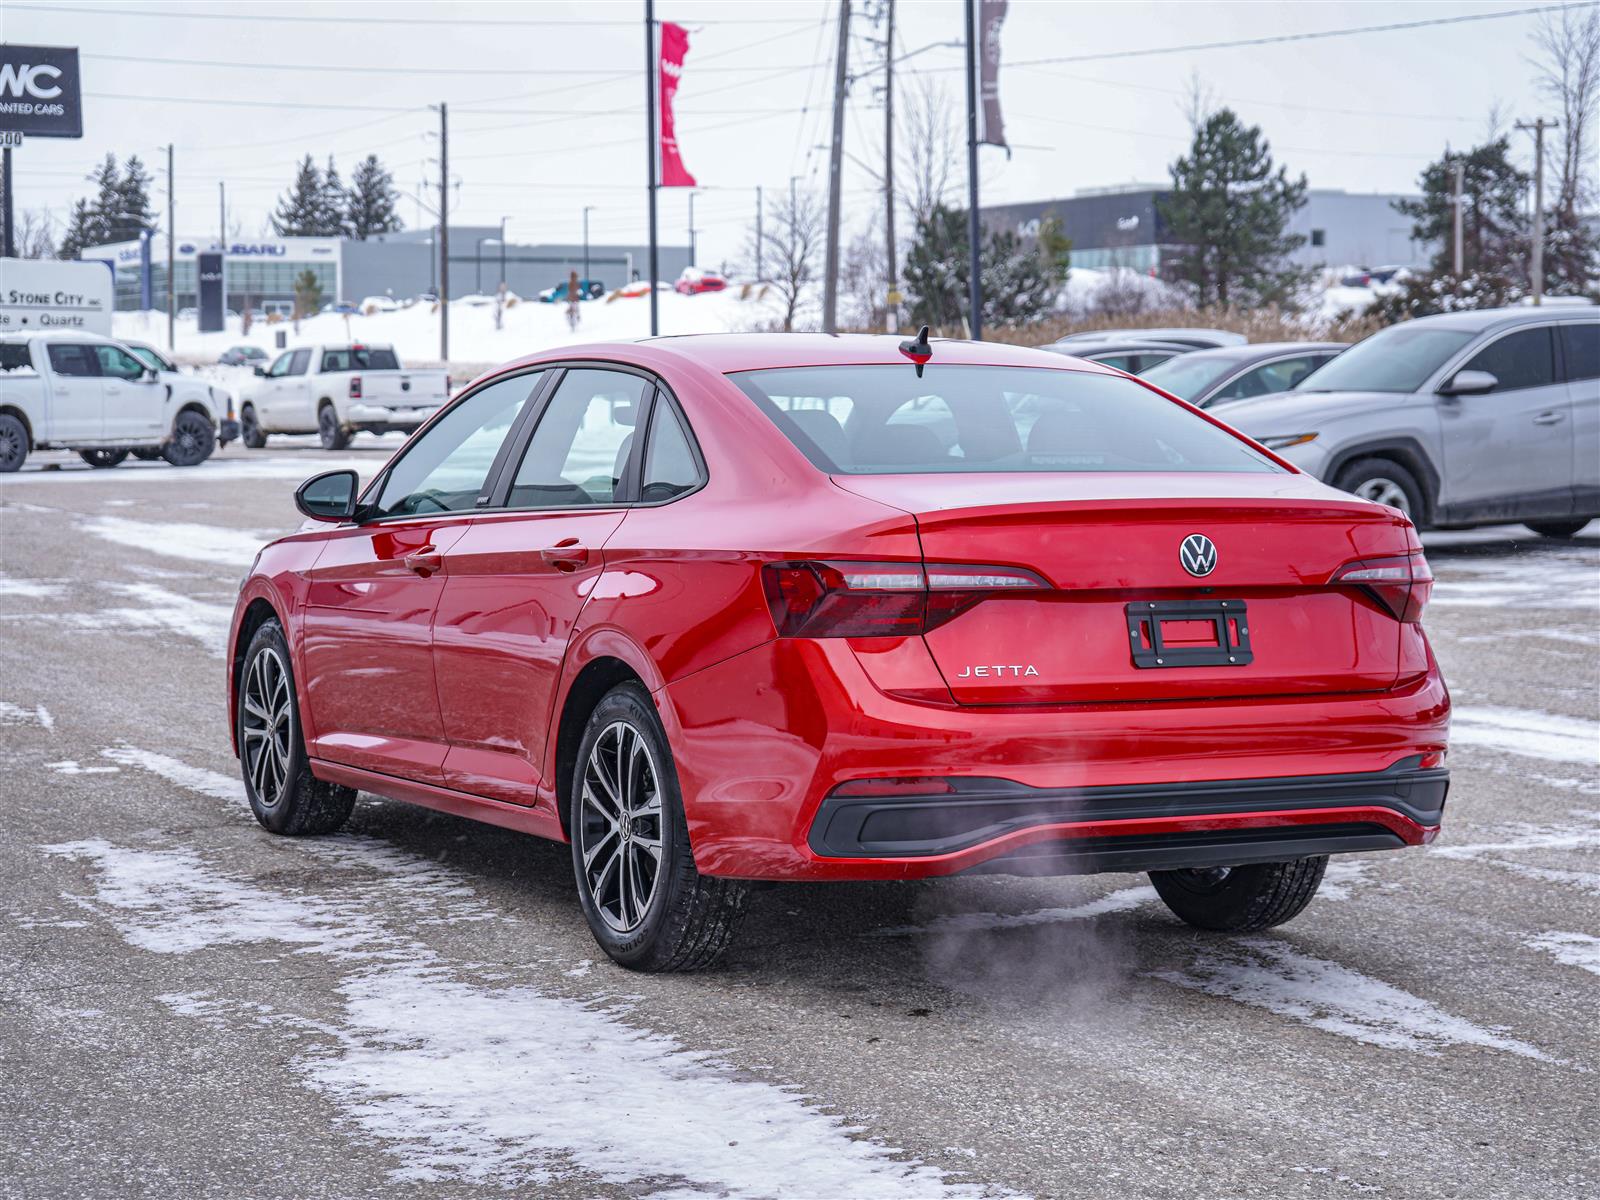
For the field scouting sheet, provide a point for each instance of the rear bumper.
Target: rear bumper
(365, 416)
(1161, 827)
(227, 430)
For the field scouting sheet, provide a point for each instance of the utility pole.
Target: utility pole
(444, 233)
(1458, 170)
(222, 241)
(172, 239)
(587, 209)
(503, 221)
(650, 69)
(891, 301)
(841, 83)
(975, 280)
(693, 259)
(1536, 263)
(9, 236)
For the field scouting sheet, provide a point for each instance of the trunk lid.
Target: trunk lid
(1263, 622)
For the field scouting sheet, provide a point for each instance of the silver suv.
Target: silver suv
(1472, 418)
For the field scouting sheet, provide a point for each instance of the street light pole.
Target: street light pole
(692, 257)
(172, 238)
(503, 221)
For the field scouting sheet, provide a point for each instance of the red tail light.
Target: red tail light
(355, 387)
(1401, 584)
(882, 599)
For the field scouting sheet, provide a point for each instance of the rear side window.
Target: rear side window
(14, 357)
(1581, 344)
(883, 420)
(670, 467)
(359, 358)
(1524, 359)
(73, 360)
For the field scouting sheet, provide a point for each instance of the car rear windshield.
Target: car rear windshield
(1188, 375)
(1397, 359)
(360, 358)
(883, 420)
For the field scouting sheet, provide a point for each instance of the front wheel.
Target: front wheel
(284, 795)
(332, 434)
(1558, 529)
(646, 903)
(250, 432)
(102, 460)
(193, 440)
(1241, 899)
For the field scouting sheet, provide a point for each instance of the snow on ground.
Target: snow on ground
(1526, 732)
(15, 714)
(1572, 949)
(232, 464)
(971, 922)
(211, 544)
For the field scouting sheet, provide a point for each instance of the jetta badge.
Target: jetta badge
(1198, 554)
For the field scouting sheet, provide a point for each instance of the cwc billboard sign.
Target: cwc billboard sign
(39, 93)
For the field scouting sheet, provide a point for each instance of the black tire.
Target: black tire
(193, 440)
(14, 444)
(284, 795)
(148, 454)
(1558, 529)
(687, 920)
(1380, 479)
(250, 430)
(103, 460)
(1241, 899)
(334, 436)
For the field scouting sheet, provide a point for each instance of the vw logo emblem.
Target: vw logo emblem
(1198, 554)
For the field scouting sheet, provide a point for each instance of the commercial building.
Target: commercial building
(1123, 227)
(260, 274)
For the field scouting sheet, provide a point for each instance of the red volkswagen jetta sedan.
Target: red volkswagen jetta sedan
(730, 608)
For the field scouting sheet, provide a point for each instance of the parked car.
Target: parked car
(1469, 418)
(378, 304)
(227, 422)
(242, 356)
(336, 391)
(1231, 373)
(588, 289)
(1124, 354)
(83, 392)
(693, 281)
(1200, 339)
(713, 610)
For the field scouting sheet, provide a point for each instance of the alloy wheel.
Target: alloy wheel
(1384, 491)
(13, 446)
(619, 835)
(267, 726)
(189, 441)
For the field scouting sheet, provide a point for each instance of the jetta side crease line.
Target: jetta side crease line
(727, 608)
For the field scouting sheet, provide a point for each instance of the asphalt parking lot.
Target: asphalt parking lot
(192, 1007)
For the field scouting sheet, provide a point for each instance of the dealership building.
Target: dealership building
(260, 273)
(1123, 227)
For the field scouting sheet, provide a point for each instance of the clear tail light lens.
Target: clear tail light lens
(881, 599)
(355, 387)
(1401, 584)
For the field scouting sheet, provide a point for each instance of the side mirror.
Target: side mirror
(1469, 383)
(330, 496)
(261, 371)
(150, 375)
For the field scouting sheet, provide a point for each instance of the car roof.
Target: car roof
(1481, 320)
(1187, 334)
(62, 335)
(1111, 345)
(1258, 350)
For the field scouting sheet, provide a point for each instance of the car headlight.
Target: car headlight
(1283, 441)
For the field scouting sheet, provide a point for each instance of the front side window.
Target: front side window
(151, 359)
(117, 363)
(1524, 359)
(73, 359)
(280, 365)
(446, 468)
(579, 451)
(973, 419)
(299, 363)
(670, 467)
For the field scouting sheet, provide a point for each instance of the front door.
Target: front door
(1508, 452)
(368, 659)
(76, 394)
(517, 581)
(135, 401)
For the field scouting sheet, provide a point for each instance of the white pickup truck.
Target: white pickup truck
(336, 391)
(83, 392)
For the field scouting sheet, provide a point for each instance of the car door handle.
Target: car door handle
(1550, 417)
(566, 555)
(425, 561)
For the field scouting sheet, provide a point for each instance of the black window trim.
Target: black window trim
(1561, 347)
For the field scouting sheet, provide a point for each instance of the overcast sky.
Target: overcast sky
(546, 99)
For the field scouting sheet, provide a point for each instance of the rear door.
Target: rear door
(1580, 344)
(518, 579)
(77, 393)
(135, 403)
(1509, 451)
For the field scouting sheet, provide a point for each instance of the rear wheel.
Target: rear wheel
(13, 443)
(1384, 482)
(250, 432)
(1558, 529)
(647, 905)
(284, 795)
(102, 459)
(333, 435)
(193, 440)
(1241, 899)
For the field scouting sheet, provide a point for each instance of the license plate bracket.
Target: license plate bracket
(1227, 617)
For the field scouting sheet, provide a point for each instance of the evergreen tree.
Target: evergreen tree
(370, 208)
(80, 234)
(107, 201)
(1229, 211)
(1020, 283)
(132, 212)
(334, 199)
(307, 294)
(300, 211)
(936, 269)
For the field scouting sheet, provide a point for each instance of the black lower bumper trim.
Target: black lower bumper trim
(981, 810)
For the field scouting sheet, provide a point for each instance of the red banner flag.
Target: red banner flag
(674, 46)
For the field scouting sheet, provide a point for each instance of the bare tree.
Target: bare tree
(864, 282)
(793, 239)
(926, 170)
(36, 234)
(1199, 101)
(1568, 65)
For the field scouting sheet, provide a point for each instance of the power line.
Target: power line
(394, 70)
(451, 22)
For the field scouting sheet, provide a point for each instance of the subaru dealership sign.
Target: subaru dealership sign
(39, 93)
